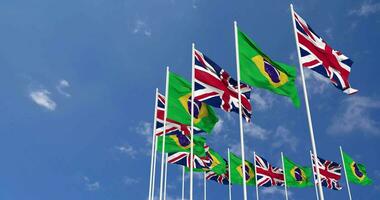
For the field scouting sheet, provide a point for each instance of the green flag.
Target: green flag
(179, 106)
(297, 176)
(181, 143)
(356, 173)
(258, 70)
(237, 171)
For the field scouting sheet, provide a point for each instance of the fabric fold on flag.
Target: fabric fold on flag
(237, 171)
(267, 175)
(329, 171)
(214, 86)
(182, 143)
(318, 56)
(296, 175)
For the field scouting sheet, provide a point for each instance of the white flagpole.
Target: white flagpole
(164, 133)
(312, 168)
(192, 121)
(345, 173)
(257, 187)
(152, 161)
(240, 111)
(166, 174)
(229, 176)
(154, 167)
(314, 148)
(283, 169)
(183, 183)
(204, 186)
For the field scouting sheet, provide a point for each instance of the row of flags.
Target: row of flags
(215, 88)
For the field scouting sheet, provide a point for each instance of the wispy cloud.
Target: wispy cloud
(145, 129)
(283, 137)
(366, 8)
(274, 191)
(317, 84)
(127, 149)
(255, 131)
(355, 114)
(41, 97)
(262, 100)
(91, 186)
(141, 27)
(61, 86)
(218, 126)
(130, 181)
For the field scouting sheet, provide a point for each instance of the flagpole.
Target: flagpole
(166, 174)
(240, 111)
(164, 133)
(152, 161)
(204, 186)
(183, 183)
(192, 121)
(229, 175)
(345, 173)
(283, 168)
(312, 168)
(314, 148)
(154, 164)
(257, 187)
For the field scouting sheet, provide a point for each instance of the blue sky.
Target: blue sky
(78, 80)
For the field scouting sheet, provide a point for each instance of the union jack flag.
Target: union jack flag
(267, 175)
(330, 173)
(317, 55)
(172, 127)
(215, 87)
(222, 179)
(184, 158)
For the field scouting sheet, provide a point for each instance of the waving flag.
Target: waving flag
(356, 172)
(330, 173)
(267, 175)
(296, 175)
(237, 171)
(214, 86)
(172, 127)
(184, 159)
(222, 179)
(317, 55)
(182, 143)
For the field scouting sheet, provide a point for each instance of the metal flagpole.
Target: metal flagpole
(166, 174)
(183, 183)
(154, 167)
(204, 186)
(257, 187)
(345, 173)
(314, 148)
(240, 111)
(192, 121)
(152, 161)
(312, 168)
(229, 176)
(164, 133)
(283, 168)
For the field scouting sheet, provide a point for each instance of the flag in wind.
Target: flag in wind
(179, 105)
(237, 171)
(297, 176)
(182, 143)
(356, 173)
(267, 175)
(172, 127)
(330, 173)
(317, 55)
(222, 179)
(257, 69)
(184, 159)
(215, 86)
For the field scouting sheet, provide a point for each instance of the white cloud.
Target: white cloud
(366, 8)
(274, 191)
(130, 181)
(255, 131)
(91, 186)
(315, 82)
(283, 137)
(145, 129)
(41, 97)
(261, 100)
(141, 27)
(61, 86)
(127, 149)
(354, 114)
(218, 126)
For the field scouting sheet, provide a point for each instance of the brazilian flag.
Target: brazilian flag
(356, 173)
(258, 70)
(179, 105)
(215, 163)
(237, 171)
(297, 176)
(182, 143)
